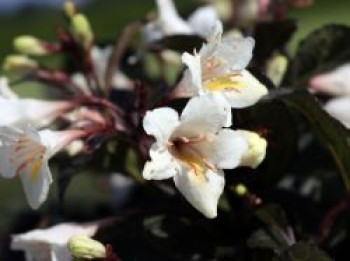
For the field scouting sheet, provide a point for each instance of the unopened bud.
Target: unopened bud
(82, 30)
(276, 68)
(19, 63)
(29, 45)
(86, 248)
(240, 190)
(256, 149)
(69, 9)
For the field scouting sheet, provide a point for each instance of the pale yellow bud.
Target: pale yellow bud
(82, 30)
(256, 149)
(19, 63)
(224, 8)
(69, 9)
(29, 45)
(86, 248)
(240, 190)
(75, 148)
(276, 68)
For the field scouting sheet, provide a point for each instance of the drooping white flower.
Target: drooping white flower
(193, 149)
(100, 58)
(5, 90)
(339, 108)
(50, 244)
(25, 152)
(38, 113)
(170, 23)
(333, 83)
(219, 67)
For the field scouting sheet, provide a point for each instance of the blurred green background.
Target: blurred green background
(108, 17)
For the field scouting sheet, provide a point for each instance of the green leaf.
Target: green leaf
(321, 51)
(272, 215)
(303, 252)
(334, 136)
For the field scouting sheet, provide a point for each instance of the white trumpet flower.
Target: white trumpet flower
(25, 152)
(339, 108)
(219, 67)
(100, 58)
(333, 83)
(193, 149)
(170, 23)
(38, 113)
(50, 244)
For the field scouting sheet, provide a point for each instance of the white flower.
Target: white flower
(38, 113)
(219, 67)
(100, 58)
(50, 244)
(25, 152)
(5, 90)
(334, 83)
(170, 23)
(339, 108)
(193, 149)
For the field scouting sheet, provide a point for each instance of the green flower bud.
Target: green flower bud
(19, 63)
(29, 45)
(69, 8)
(86, 248)
(82, 30)
(276, 68)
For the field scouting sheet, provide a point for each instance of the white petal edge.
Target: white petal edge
(160, 123)
(162, 164)
(203, 115)
(202, 192)
(250, 91)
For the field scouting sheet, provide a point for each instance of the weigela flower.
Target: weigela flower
(50, 244)
(170, 23)
(100, 58)
(219, 67)
(339, 108)
(193, 149)
(333, 83)
(38, 113)
(5, 90)
(25, 152)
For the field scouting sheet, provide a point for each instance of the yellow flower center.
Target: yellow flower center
(32, 154)
(184, 149)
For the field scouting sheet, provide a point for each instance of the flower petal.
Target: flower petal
(36, 184)
(192, 78)
(225, 150)
(245, 90)
(160, 123)
(203, 20)
(339, 108)
(203, 192)
(203, 115)
(162, 166)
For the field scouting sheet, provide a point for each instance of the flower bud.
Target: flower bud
(256, 149)
(19, 63)
(240, 190)
(69, 8)
(82, 30)
(86, 248)
(29, 45)
(276, 68)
